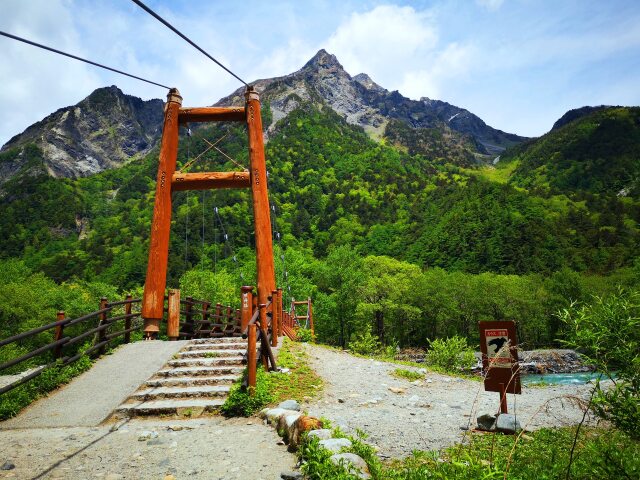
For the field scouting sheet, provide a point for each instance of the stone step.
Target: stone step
(193, 371)
(159, 393)
(200, 341)
(216, 346)
(214, 353)
(187, 381)
(167, 407)
(206, 362)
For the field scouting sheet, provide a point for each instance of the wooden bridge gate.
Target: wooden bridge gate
(168, 181)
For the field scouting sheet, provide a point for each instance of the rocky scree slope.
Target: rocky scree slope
(101, 132)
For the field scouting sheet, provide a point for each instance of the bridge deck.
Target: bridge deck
(91, 398)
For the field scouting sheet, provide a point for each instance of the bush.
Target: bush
(240, 404)
(450, 355)
(304, 335)
(365, 344)
(607, 332)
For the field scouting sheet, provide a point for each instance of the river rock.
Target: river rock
(291, 476)
(335, 445)
(290, 405)
(302, 425)
(507, 423)
(352, 462)
(487, 422)
(8, 465)
(321, 434)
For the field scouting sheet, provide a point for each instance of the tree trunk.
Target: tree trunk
(380, 325)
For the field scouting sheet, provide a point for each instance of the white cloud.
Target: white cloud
(400, 48)
(490, 4)
(383, 41)
(452, 62)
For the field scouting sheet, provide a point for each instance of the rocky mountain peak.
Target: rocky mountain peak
(323, 60)
(101, 131)
(366, 81)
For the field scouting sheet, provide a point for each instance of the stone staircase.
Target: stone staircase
(196, 380)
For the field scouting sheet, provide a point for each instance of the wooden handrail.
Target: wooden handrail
(62, 341)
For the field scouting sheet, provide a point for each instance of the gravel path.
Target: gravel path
(429, 413)
(208, 448)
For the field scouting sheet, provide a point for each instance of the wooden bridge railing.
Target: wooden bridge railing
(66, 341)
(187, 318)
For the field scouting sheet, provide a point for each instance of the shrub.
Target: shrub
(607, 332)
(450, 355)
(365, 344)
(304, 335)
(240, 404)
(408, 374)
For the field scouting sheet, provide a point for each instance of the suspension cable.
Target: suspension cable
(184, 37)
(60, 52)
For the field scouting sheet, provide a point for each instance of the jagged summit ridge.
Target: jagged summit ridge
(361, 101)
(323, 59)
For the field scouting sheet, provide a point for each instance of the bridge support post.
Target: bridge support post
(156, 280)
(260, 196)
(280, 315)
(173, 315)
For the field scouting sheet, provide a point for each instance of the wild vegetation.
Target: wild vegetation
(398, 244)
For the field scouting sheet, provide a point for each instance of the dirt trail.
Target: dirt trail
(205, 448)
(428, 414)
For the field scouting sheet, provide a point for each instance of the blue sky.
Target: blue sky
(518, 64)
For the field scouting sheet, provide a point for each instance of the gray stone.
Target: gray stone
(321, 434)
(507, 423)
(147, 435)
(291, 476)
(335, 445)
(487, 422)
(290, 405)
(8, 465)
(352, 462)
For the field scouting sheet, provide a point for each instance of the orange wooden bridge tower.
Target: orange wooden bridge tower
(168, 181)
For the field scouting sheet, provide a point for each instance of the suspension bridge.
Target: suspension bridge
(223, 344)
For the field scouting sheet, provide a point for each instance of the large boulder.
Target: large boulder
(487, 422)
(335, 445)
(508, 423)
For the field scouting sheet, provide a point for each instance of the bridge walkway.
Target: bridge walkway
(91, 398)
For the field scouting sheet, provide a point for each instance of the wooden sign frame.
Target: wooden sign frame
(498, 344)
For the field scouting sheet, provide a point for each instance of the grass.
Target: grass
(407, 374)
(300, 383)
(543, 455)
(501, 173)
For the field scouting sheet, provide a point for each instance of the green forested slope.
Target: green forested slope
(597, 153)
(341, 197)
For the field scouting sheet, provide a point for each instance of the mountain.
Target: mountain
(575, 114)
(589, 150)
(108, 127)
(102, 131)
(360, 101)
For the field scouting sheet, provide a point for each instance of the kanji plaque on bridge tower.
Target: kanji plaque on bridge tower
(498, 343)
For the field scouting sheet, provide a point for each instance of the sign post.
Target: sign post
(498, 344)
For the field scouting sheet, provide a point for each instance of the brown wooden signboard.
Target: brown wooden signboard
(498, 344)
